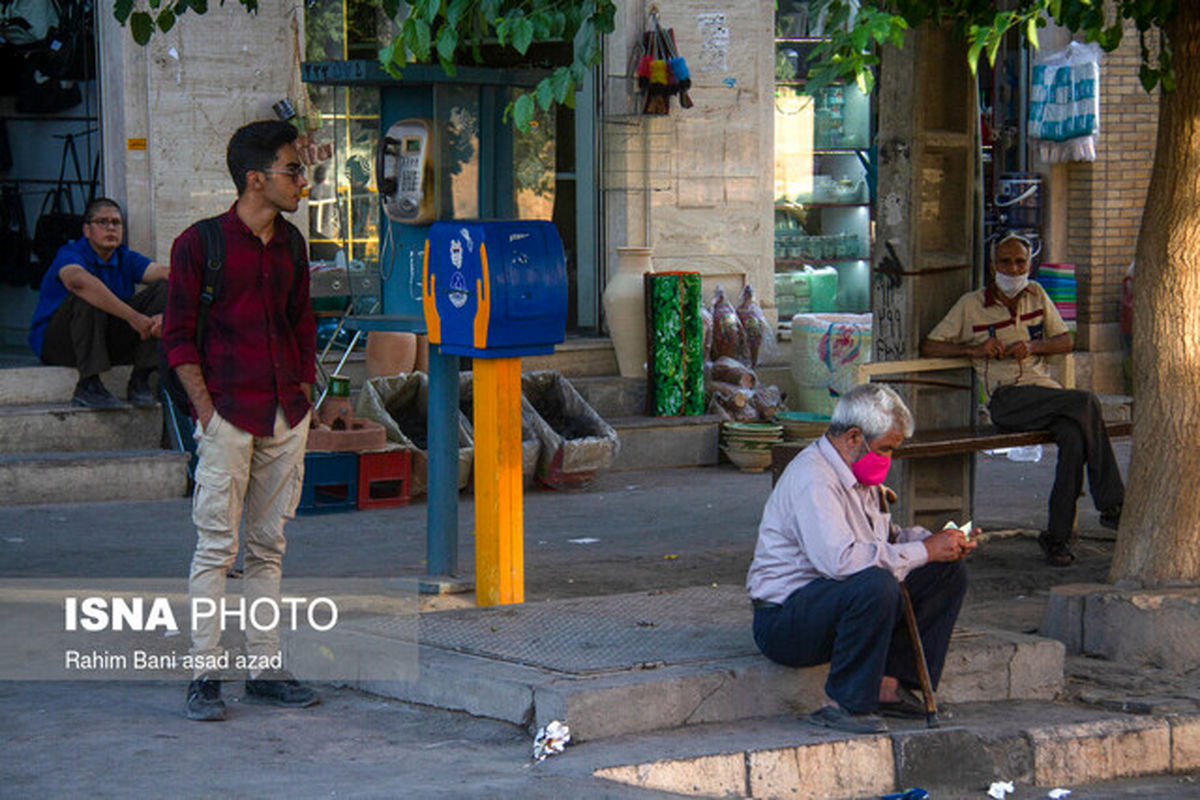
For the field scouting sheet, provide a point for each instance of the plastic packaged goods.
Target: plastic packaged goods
(728, 335)
(730, 370)
(754, 323)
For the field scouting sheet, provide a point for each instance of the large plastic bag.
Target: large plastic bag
(760, 337)
(1064, 103)
(825, 347)
(729, 339)
(576, 442)
(400, 403)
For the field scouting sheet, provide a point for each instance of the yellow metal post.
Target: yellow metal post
(499, 513)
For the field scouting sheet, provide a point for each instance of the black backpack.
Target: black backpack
(212, 241)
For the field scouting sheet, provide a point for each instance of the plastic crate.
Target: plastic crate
(330, 483)
(384, 478)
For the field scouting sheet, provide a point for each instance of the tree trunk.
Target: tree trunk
(1159, 540)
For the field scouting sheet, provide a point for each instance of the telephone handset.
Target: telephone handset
(405, 167)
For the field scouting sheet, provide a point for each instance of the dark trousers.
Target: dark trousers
(856, 626)
(82, 336)
(1075, 419)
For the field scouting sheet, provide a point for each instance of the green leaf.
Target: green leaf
(544, 92)
(122, 9)
(523, 110)
(1148, 77)
(447, 43)
(391, 8)
(199, 6)
(455, 11)
(154, 4)
(522, 34)
(141, 24)
(428, 9)
(976, 37)
(420, 39)
(563, 83)
(166, 20)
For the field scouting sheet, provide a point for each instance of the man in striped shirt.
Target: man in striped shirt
(1007, 328)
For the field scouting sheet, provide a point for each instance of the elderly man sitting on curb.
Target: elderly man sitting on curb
(1007, 328)
(825, 579)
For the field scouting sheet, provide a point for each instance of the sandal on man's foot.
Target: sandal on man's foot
(1058, 554)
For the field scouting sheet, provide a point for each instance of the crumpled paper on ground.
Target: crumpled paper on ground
(1000, 789)
(1058, 794)
(551, 740)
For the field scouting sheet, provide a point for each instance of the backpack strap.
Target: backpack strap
(212, 240)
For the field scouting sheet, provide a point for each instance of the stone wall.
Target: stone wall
(170, 108)
(695, 185)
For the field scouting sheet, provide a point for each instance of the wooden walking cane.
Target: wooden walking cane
(914, 635)
(887, 497)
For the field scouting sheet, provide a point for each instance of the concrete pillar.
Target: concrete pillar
(925, 228)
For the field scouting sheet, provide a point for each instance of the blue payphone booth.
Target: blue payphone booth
(444, 153)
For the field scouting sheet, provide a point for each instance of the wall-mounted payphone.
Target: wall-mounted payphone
(406, 172)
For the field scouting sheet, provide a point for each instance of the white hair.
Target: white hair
(1011, 236)
(874, 409)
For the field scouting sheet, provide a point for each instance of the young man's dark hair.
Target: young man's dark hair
(97, 204)
(253, 147)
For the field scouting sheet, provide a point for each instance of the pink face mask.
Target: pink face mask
(871, 469)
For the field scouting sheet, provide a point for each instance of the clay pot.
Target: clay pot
(390, 353)
(625, 310)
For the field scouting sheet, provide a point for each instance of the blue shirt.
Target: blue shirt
(121, 274)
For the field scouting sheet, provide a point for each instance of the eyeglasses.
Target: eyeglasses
(296, 172)
(106, 222)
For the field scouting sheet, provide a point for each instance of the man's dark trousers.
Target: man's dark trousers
(82, 336)
(856, 626)
(1075, 419)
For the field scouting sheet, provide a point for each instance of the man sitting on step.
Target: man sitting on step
(89, 315)
(825, 579)
(1007, 328)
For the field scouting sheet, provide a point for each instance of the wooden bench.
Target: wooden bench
(934, 443)
(950, 441)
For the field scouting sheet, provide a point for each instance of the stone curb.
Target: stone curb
(832, 766)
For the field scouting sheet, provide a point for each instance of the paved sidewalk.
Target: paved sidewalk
(660, 530)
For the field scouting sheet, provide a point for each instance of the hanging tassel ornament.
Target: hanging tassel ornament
(643, 72)
(679, 69)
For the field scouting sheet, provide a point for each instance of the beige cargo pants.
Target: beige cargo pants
(260, 476)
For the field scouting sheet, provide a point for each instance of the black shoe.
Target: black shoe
(204, 699)
(840, 719)
(1111, 517)
(91, 393)
(279, 688)
(1058, 554)
(138, 391)
(909, 706)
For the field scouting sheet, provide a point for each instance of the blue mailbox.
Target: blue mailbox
(495, 289)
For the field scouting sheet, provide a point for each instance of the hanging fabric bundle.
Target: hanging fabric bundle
(661, 71)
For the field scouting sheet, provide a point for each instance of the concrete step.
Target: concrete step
(1031, 744)
(632, 663)
(33, 385)
(87, 477)
(60, 427)
(650, 442)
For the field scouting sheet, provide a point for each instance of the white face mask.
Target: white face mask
(1011, 285)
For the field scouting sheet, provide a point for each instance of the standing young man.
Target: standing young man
(90, 316)
(249, 379)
